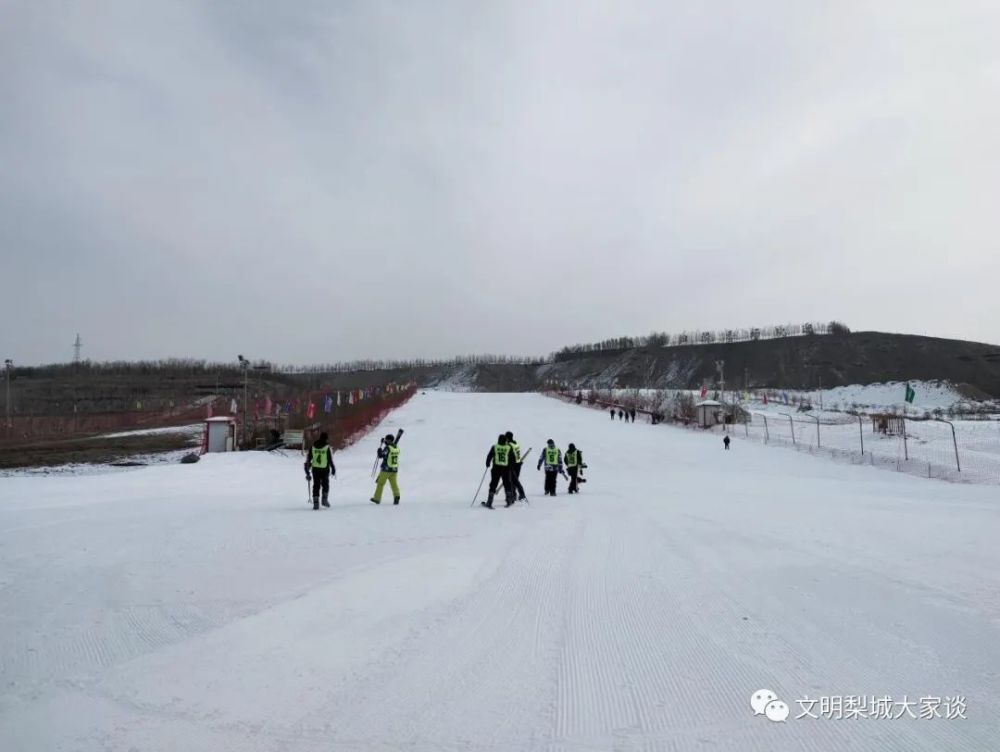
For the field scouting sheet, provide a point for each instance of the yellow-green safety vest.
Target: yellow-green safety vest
(320, 457)
(570, 458)
(551, 456)
(516, 449)
(392, 459)
(501, 454)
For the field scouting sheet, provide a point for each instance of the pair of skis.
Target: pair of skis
(483, 480)
(399, 435)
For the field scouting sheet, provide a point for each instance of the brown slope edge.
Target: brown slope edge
(793, 362)
(798, 362)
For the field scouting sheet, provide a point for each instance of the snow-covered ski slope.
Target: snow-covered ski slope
(207, 607)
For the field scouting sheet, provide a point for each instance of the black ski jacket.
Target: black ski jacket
(329, 459)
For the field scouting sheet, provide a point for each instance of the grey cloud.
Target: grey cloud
(318, 180)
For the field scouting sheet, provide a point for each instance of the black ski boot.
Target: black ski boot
(315, 505)
(374, 501)
(326, 503)
(395, 501)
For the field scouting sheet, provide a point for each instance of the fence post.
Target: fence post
(766, 436)
(906, 452)
(791, 426)
(817, 432)
(746, 426)
(954, 441)
(861, 433)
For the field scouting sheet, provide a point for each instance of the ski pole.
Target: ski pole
(375, 465)
(483, 480)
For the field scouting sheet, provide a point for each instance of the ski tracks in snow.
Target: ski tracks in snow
(216, 612)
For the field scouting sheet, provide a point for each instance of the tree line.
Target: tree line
(192, 367)
(413, 363)
(703, 337)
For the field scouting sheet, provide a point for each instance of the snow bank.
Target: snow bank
(930, 395)
(193, 429)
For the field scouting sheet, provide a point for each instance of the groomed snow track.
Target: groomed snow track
(207, 607)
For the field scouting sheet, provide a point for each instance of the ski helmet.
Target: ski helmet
(509, 435)
(389, 438)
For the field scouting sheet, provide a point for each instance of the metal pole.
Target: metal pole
(480, 488)
(817, 432)
(954, 441)
(243, 364)
(861, 433)
(767, 436)
(791, 425)
(906, 451)
(9, 364)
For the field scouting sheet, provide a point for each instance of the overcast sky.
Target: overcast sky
(312, 181)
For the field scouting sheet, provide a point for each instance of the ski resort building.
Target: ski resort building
(708, 413)
(220, 434)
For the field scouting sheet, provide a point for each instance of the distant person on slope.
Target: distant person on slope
(551, 457)
(389, 454)
(515, 467)
(621, 415)
(319, 468)
(725, 442)
(499, 457)
(574, 461)
(633, 415)
(612, 413)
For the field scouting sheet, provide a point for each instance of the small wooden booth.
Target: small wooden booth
(220, 434)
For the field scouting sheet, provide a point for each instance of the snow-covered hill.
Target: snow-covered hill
(207, 607)
(929, 396)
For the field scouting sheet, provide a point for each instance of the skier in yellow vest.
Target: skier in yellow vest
(389, 453)
(551, 457)
(515, 467)
(500, 457)
(319, 468)
(574, 463)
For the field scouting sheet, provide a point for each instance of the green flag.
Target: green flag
(910, 394)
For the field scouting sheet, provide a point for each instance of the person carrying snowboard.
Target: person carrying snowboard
(389, 454)
(551, 457)
(515, 467)
(574, 461)
(499, 458)
(319, 468)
